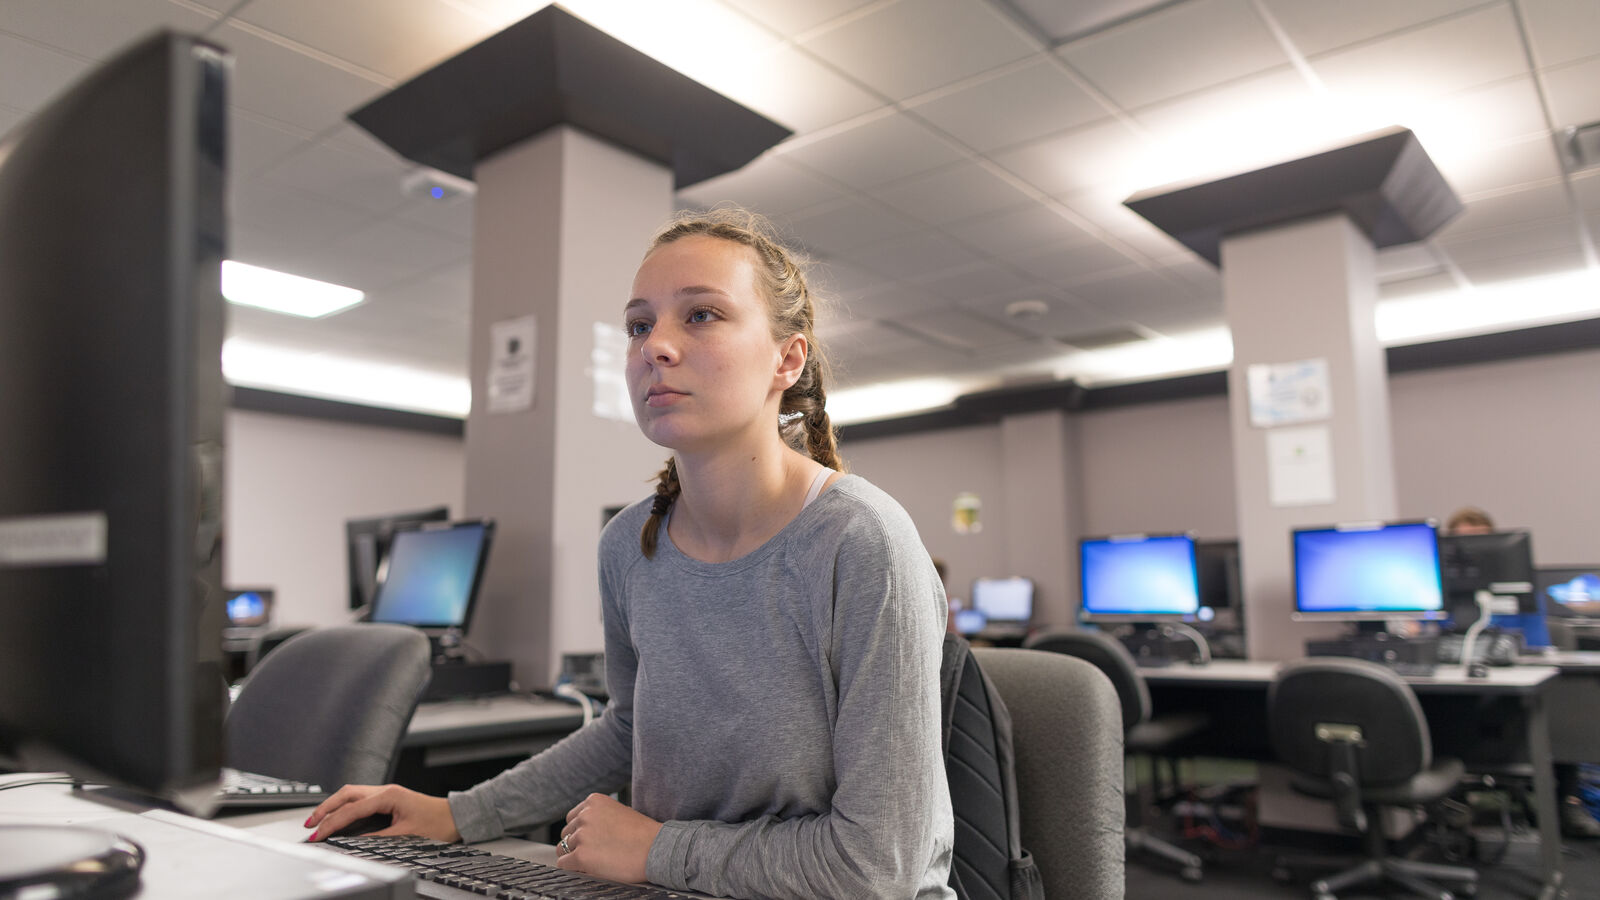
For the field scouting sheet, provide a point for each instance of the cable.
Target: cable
(566, 690)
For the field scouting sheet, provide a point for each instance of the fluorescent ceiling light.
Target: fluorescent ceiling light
(308, 373)
(281, 292)
(1199, 351)
(1565, 297)
(893, 398)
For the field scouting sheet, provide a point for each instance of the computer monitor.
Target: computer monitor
(1367, 572)
(367, 544)
(1217, 569)
(1000, 604)
(432, 575)
(248, 607)
(1570, 591)
(1139, 578)
(112, 234)
(1500, 563)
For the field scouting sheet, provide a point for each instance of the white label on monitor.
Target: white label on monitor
(66, 539)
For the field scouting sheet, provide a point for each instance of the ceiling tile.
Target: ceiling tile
(1586, 186)
(394, 38)
(1436, 283)
(1134, 291)
(771, 186)
(1019, 232)
(451, 216)
(361, 180)
(956, 328)
(31, 74)
(255, 144)
(440, 295)
(837, 279)
(795, 89)
(1545, 201)
(1202, 278)
(1407, 261)
(864, 337)
(981, 279)
(1473, 169)
(300, 218)
(1561, 31)
(873, 153)
(956, 192)
(790, 18)
(1023, 104)
(1529, 265)
(1066, 266)
(1464, 248)
(1154, 58)
(94, 28)
(389, 251)
(905, 48)
(9, 119)
(1574, 91)
(841, 227)
(1079, 159)
(1064, 21)
(1464, 51)
(1065, 315)
(1315, 26)
(892, 301)
(915, 256)
(1508, 110)
(277, 82)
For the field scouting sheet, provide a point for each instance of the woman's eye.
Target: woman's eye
(637, 328)
(700, 316)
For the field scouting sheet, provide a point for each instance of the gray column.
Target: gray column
(1040, 509)
(562, 222)
(1296, 292)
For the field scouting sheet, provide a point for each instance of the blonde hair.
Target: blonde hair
(802, 412)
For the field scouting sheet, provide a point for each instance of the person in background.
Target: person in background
(1575, 819)
(773, 626)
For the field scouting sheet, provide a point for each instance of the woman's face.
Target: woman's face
(703, 369)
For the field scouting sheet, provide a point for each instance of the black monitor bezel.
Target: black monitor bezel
(1544, 578)
(1351, 615)
(1087, 615)
(1002, 623)
(381, 530)
(440, 628)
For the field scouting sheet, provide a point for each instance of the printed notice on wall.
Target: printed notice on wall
(1289, 393)
(1299, 466)
(510, 375)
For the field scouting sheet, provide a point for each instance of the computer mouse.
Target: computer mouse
(1477, 670)
(365, 825)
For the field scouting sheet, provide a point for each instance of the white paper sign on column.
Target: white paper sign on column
(510, 375)
(1289, 393)
(1300, 466)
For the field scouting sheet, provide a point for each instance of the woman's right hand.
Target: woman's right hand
(409, 811)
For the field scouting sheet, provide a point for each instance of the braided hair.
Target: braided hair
(802, 414)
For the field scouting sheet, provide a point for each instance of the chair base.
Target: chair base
(1189, 865)
(1416, 877)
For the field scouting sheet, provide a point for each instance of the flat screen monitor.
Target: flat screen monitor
(112, 234)
(1217, 568)
(248, 607)
(431, 578)
(367, 545)
(1368, 571)
(1001, 603)
(1570, 591)
(1139, 577)
(1500, 563)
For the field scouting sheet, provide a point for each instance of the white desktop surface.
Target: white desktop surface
(1249, 671)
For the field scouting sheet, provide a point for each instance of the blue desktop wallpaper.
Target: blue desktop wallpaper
(429, 580)
(1003, 599)
(1154, 576)
(1392, 569)
(1584, 589)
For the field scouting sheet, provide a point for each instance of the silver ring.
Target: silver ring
(565, 848)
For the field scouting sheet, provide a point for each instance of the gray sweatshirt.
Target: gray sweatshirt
(779, 713)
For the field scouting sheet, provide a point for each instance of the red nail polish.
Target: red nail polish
(308, 821)
(313, 836)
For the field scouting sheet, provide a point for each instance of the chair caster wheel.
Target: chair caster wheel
(1190, 874)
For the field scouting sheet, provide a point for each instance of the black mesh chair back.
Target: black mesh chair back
(1109, 656)
(1323, 691)
(330, 706)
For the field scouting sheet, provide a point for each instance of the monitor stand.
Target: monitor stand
(1165, 643)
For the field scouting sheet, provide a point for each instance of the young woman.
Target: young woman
(773, 626)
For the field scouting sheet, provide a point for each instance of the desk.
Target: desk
(1497, 723)
(1572, 702)
(454, 744)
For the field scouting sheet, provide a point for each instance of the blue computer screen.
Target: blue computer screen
(1372, 571)
(430, 576)
(1134, 577)
(1003, 599)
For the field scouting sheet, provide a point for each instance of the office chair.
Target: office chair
(330, 706)
(1352, 731)
(1066, 734)
(1142, 734)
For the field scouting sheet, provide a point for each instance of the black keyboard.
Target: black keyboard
(485, 874)
(247, 789)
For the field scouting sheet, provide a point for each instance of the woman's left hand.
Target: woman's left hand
(607, 839)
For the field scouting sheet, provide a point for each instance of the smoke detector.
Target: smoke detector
(1026, 309)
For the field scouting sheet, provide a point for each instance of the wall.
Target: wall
(292, 483)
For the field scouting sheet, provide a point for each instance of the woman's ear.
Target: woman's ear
(791, 362)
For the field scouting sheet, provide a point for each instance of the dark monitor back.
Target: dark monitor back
(1500, 563)
(432, 576)
(1570, 591)
(367, 545)
(112, 235)
(1217, 566)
